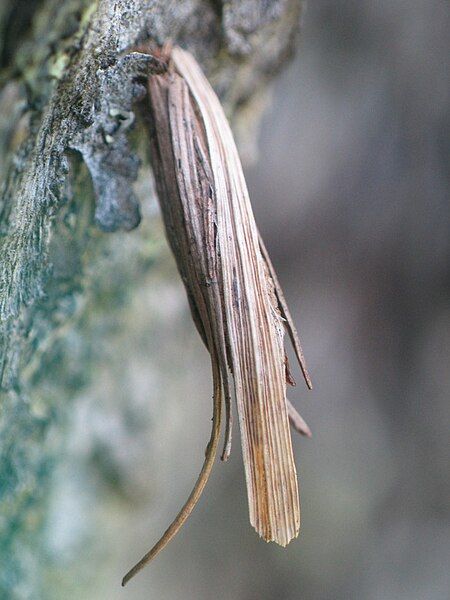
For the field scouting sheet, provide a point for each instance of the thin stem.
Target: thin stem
(292, 331)
(199, 486)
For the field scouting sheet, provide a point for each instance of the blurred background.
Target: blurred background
(351, 192)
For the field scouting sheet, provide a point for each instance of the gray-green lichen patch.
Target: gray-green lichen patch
(94, 278)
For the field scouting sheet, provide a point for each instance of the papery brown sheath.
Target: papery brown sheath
(234, 296)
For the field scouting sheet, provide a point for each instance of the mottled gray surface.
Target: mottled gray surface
(66, 289)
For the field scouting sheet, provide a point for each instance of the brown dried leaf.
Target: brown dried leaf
(235, 299)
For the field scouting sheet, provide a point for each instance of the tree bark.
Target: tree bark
(73, 274)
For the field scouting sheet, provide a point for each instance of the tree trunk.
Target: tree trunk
(79, 267)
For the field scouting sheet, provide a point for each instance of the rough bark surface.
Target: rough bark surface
(70, 172)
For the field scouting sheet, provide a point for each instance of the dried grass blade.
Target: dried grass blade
(253, 326)
(233, 292)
